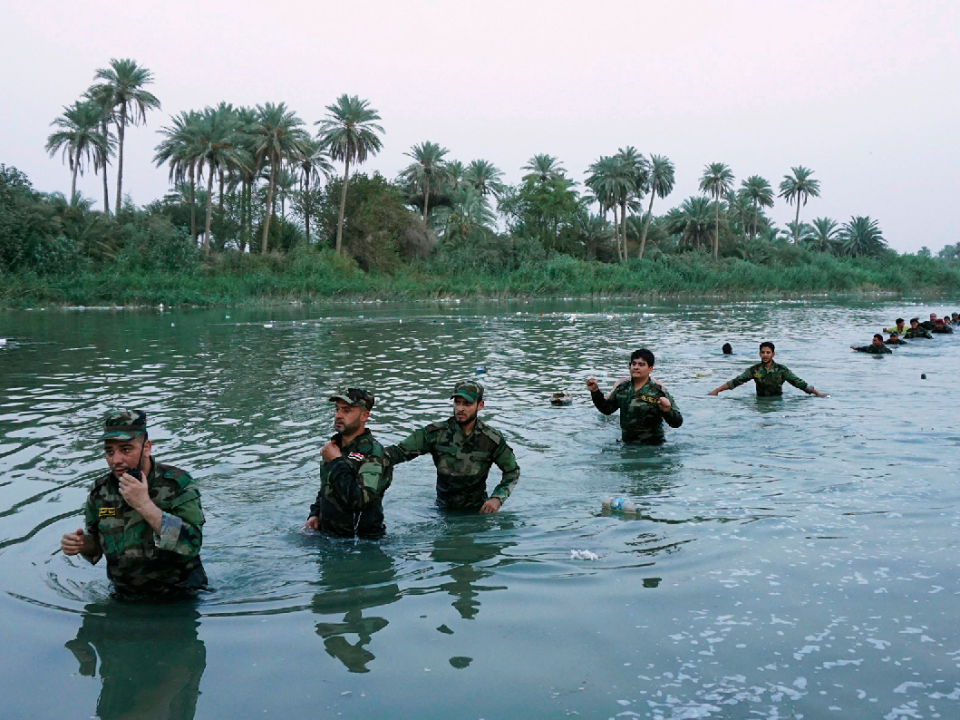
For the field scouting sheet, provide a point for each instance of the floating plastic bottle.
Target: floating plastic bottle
(618, 504)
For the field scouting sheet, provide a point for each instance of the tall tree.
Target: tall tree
(797, 188)
(124, 82)
(543, 168)
(759, 192)
(633, 167)
(313, 164)
(279, 138)
(349, 134)
(218, 145)
(485, 177)
(824, 234)
(79, 138)
(716, 181)
(691, 222)
(180, 149)
(428, 167)
(611, 183)
(861, 236)
(660, 181)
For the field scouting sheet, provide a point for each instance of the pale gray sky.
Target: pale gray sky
(865, 93)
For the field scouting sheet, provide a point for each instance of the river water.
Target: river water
(791, 558)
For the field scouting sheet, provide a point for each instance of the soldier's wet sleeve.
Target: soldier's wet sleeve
(507, 462)
(740, 379)
(343, 485)
(608, 406)
(789, 376)
(672, 417)
(92, 530)
(413, 446)
(181, 528)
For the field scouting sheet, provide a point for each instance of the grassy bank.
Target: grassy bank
(310, 276)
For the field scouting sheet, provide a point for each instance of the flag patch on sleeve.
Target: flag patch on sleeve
(355, 456)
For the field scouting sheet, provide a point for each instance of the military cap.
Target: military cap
(125, 425)
(356, 397)
(469, 390)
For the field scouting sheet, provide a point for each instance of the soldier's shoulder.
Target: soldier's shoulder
(175, 475)
(436, 427)
(99, 484)
(490, 433)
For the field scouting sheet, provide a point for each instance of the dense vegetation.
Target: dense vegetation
(257, 210)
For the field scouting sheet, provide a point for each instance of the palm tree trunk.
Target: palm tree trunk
(120, 128)
(106, 187)
(343, 203)
(426, 196)
(796, 224)
(616, 232)
(193, 202)
(623, 223)
(73, 183)
(646, 225)
(243, 216)
(206, 232)
(221, 192)
(306, 205)
(716, 232)
(269, 208)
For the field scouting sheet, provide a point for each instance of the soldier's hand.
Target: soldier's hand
(665, 404)
(330, 451)
(72, 543)
(312, 522)
(491, 506)
(135, 492)
(592, 385)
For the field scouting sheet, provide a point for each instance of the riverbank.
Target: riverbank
(311, 277)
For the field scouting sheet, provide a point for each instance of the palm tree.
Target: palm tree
(609, 183)
(759, 192)
(123, 82)
(633, 166)
(543, 168)
(350, 134)
(79, 138)
(180, 149)
(103, 97)
(279, 138)
(691, 221)
(861, 236)
(216, 144)
(484, 176)
(660, 181)
(797, 188)
(456, 175)
(823, 235)
(594, 231)
(716, 181)
(313, 164)
(468, 211)
(428, 165)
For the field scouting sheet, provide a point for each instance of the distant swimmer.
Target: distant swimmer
(464, 448)
(894, 339)
(940, 327)
(900, 328)
(877, 347)
(643, 403)
(355, 473)
(727, 349)
(955, 319)
(768, 376)
(929, 324)
(916, 332)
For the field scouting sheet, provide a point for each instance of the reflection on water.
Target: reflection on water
(150, 659)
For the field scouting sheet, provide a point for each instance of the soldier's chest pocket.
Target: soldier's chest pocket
(448, 457)
(111, 524)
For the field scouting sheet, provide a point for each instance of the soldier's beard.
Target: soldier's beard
(466, 421)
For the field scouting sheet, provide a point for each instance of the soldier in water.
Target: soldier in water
(145, 516)
(877, 347)
(463, 448)
(643, 403)
(768, 376)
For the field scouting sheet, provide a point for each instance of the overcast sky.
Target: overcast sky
(864, 93)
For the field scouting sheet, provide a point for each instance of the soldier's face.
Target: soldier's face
(766, 355)
(466, 412)
(124, 455)
(349, 419)
(639, 369)
(877, 341)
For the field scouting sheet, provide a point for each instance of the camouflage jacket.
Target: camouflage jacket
(920, 332)
(874, 349)
(769, 382)
(140, 561)
(350, 501)
(641, 419)
(463, 462)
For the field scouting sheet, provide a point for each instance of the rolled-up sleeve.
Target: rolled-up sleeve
(181, 527)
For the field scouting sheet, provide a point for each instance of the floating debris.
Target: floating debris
(561, 398)
(583, 555)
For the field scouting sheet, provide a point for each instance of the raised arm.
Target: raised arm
(413, 446)
(606, 405)
(739, 380)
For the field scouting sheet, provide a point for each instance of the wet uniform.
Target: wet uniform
(350, 501)
(641, 419)
(140, 561)
(769, 382)
(917, 333)
(463, 462)
(874, 349)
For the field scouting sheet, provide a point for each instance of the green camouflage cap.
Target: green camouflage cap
(125, 425)
(357, 397)
(469, 390)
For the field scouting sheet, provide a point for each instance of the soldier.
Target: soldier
(463, 448)
(900, 328)
(894, 339)
(143, 515)
(916, 331)
(942, 328)
(641, 400)
(929, 324)
(768, 377)
(874, 348)
(355, 473)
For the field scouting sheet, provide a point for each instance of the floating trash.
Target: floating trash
(583, 555)
(481, 369)
(561, 398)
(268, 325)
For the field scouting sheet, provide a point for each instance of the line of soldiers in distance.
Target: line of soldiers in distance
(899, 333)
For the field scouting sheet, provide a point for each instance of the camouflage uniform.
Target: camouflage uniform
(140, 561)
(874, 349)
(463, 461)
(350, 500)
(917, 333)
(895, 341)
(641, 419)
(769, 382)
